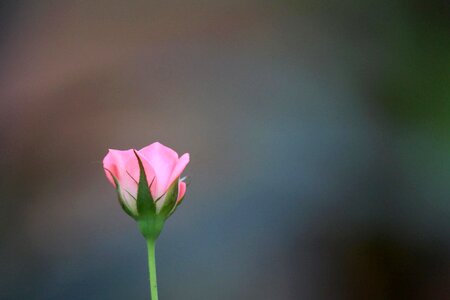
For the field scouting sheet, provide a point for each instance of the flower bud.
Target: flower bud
(147, 182)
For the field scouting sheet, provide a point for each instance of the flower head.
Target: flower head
(160, 184)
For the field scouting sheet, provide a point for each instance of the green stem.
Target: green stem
(152, 269)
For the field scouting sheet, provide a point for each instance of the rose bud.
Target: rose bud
(148, 183)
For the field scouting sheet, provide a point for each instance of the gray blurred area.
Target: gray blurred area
(319, 134)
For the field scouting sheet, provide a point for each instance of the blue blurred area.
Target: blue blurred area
(319, 138)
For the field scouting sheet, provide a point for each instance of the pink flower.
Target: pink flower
(162, 168)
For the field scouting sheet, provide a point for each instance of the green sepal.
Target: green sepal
(150, 224)
(175, 207)
(119, 196)
(178, 203)
(144, 201)
(170, 200)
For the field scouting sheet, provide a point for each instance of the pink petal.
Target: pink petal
(181, 190)
(114, 162)
(133, 172)
(123, 164)
(163, 160)
(179, 168)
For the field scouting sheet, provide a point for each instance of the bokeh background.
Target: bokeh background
(319, 134)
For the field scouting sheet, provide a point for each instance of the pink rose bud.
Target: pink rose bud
(149, 189)
(159, 191)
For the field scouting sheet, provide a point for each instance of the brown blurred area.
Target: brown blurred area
(318, 133)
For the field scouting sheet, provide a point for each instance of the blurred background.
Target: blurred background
(319, 134)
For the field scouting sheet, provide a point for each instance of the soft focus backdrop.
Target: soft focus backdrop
(319, 134)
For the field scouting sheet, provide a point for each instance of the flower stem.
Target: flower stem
(152, 269)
